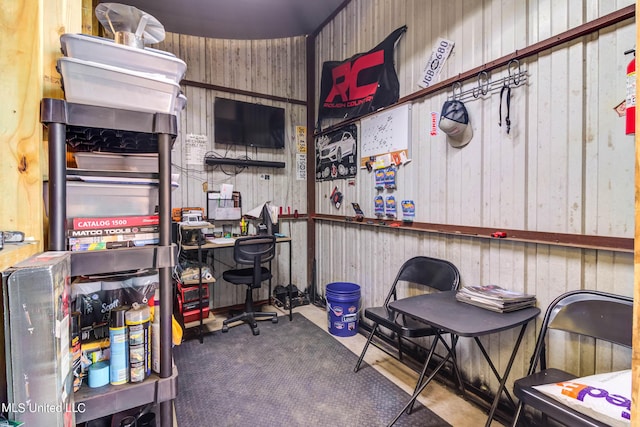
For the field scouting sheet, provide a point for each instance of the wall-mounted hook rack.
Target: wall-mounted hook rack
(515, 77)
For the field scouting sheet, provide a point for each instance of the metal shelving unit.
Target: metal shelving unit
(63, 119)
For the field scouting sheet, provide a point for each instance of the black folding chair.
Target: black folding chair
(598, 315)
(431, 274)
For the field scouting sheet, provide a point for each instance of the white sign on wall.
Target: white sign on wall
(195, 147)
(301, 167)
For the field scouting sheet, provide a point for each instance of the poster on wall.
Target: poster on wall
(336, 154)
(361, 84)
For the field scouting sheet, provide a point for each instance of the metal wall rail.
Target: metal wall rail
(515, 77)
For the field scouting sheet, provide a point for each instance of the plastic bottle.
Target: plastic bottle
(118, 344)
(155, 334)
(137, 319)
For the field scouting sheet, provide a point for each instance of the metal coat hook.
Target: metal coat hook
(483, 85)
(515, 77)
(457, 90)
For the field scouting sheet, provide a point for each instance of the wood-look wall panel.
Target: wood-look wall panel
(565, 166)
(270, 67)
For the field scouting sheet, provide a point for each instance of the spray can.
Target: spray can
(118, 345)
(137, 320)
(244, 227)
(76, 351)
(155, 334)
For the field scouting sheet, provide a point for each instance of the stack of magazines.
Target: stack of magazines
(495, 298)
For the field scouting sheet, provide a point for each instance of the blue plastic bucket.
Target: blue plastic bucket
(343, 308)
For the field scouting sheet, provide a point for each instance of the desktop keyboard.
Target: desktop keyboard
(197, 223)
(221, 240)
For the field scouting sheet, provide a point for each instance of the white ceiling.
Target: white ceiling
(239, 19)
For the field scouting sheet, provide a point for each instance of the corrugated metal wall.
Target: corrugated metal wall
(270, 67)
(566, 165)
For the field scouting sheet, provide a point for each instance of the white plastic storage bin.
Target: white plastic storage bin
(106, 51)
(100, 161)
(117, 162)
(91, 83)
(88, 199)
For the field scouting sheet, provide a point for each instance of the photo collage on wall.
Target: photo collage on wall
(336, 154)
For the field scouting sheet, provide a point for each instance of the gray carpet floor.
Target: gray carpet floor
(292, 374)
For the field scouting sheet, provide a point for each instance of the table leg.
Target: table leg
(423, 372)
(451, 352)
(290, 285)
(200, 238)
(502, 380)
(421, 388)
(269, 300)
(454, 360)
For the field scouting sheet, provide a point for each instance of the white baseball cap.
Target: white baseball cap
(454, 121)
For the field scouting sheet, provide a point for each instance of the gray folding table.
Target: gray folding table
(443, 311)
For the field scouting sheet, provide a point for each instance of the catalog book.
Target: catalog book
(495, 298)
(93, 223)
(102, 232)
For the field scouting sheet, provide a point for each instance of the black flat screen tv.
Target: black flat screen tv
(248, 124)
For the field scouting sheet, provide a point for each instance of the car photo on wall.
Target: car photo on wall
(336, 154)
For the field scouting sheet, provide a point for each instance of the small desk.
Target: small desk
(443, 311)
(230, 244)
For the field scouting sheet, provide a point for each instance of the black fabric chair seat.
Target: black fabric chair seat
(244, 276)
(255, 251)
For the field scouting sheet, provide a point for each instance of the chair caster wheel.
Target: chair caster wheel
(225, 328)
(274, 320)
(256, 331)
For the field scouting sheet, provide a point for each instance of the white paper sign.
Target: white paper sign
(441, 51)
(195, 147)
(301, 167)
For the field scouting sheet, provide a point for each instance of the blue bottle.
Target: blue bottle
(119, 346)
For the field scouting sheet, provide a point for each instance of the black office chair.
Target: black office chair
(581, 314)
(430, 273)
(253, 251)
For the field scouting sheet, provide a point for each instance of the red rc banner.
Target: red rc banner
(361, 84)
